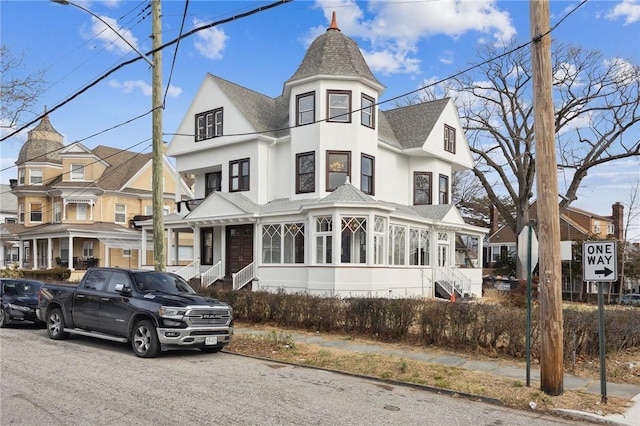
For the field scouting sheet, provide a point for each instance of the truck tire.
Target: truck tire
(144, 340)
(5, 318)
(55, 325)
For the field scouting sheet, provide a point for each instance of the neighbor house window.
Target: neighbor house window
(449, 139)
(213, 182)
(397, 238)
(35, 177)
(338, 168)
(339, 106)
(209, 124)
(353, 240)
(367, 173)
(305, 108)
(324, 240)
(57, 213)
(418, 247)
(21, 177)
(305, 172)
(121, 213)
(367, 113)
(81, 211)
(421, 188)
(596, 227)
(35, 215)
(126, 252)
(77, 172)
(239, 175)
(87, 249)
(20, 213)
(443, 187)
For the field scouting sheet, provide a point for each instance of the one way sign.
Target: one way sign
(599, 261)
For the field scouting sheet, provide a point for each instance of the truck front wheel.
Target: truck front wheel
(144, 340)
(55, 325)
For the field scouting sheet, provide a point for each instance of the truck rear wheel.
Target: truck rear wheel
(55, 325)
(144, 340)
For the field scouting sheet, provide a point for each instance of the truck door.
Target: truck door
(87, 299)
(115, 309)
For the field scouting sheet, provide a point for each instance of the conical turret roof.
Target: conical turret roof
(42, 145)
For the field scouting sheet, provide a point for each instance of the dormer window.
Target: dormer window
(305, 108)
(77, 172)
(209, 124)
(367, 113)
(339, 106)
(35, 177)
(449, 139)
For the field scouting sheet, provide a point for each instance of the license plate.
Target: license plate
(211, 340)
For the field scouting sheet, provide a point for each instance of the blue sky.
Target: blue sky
(405, 42)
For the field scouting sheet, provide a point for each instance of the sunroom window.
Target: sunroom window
(354, 240)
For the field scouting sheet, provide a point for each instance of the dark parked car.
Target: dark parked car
(19, 300)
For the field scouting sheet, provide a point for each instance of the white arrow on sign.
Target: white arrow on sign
(599, 261)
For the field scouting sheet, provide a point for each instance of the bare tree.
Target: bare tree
(597, 106)
(631, 217)
(19, 88)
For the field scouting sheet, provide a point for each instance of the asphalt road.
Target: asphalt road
(83, 381)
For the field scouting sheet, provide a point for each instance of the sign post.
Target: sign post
(600, 264)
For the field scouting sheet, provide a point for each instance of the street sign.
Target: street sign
(523, 248)
(599, 261)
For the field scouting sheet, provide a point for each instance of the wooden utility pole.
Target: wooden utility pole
(550, 285)
(157, 185)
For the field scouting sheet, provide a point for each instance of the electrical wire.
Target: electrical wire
(175, 53)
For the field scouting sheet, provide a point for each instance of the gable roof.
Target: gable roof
(411, 125)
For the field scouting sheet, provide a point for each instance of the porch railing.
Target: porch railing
(211, 275)
(243, 276)
(189, 271)
(451, 278)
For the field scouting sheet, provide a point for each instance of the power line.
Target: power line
(175, 53)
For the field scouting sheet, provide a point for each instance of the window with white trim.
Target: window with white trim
(87, 249)
(126, 252)
(21, 175)
(81, 211)
(271, 243)
(21, 213)
(339, 106)
(35, 213)
(353, 240)
(324, 240)
(121, 213)
(293, 243)
(57, 213)
(379, 236)
(397, 239)
(35, 177)
(418, 247)
(77, 172)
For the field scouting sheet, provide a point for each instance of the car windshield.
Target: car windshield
(163, 282)
(22, 288)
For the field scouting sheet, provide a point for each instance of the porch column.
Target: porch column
(106, 261)
(21, 254)
(71, 265)
(143, 248)
(50, 251)
(34, 253)
(170, 248)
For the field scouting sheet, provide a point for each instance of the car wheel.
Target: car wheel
(55, 325)
(211, 349)
(4, 317)
(144, 340)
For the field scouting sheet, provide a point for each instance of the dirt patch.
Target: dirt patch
(277, 344)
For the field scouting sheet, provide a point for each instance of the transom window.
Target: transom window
(339, 106)
(306, 108)
(209, 124)
(367, 173)
(443, 187)
(421, 188)
(77, 172)
(367, 113)
(213, 182)
(338, 168)
(449, 139)
(35, 177)
(121, 213)
(239, 175)
(305, 172)
(36, 212)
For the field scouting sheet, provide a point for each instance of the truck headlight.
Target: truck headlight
(20, 308)
(171, 312)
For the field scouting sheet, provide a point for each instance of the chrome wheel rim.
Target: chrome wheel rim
(54, 324)
(142, 339)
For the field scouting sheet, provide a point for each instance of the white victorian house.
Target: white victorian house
(319, 191)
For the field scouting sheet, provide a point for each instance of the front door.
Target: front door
(239, 248)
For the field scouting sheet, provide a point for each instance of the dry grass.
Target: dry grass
(278, 345)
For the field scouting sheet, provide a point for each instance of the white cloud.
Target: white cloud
(623, 70)
(129, 86)
(388, 62)
(627, 9)
(111, 40)
(446, 57)
(210, 42)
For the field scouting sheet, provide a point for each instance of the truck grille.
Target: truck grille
(209, 316)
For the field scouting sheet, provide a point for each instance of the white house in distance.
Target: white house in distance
(319, 191)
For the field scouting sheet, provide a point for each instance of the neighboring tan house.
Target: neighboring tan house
(319, 191)
(76, 205)
(575, 225)
(9, 253)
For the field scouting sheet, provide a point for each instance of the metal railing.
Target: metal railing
(211, 275)
(451, 278)
(243, 276)
(189, 271)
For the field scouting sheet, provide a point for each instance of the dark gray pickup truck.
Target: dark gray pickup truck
(153, 310)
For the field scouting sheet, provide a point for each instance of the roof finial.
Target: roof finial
(334, 24)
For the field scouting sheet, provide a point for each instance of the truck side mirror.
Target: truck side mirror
(123, 290)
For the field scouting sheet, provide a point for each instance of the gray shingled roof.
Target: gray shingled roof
(42, 145)
(333, 53)
(123, 165)
(412, 124)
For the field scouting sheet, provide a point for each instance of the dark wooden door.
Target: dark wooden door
(239, 248)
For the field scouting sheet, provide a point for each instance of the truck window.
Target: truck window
(96, 279)
(117, 278)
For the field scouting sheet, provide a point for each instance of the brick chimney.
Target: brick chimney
(618, 220)
(493, 219)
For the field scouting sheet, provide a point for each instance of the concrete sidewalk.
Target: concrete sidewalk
(497, 367)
